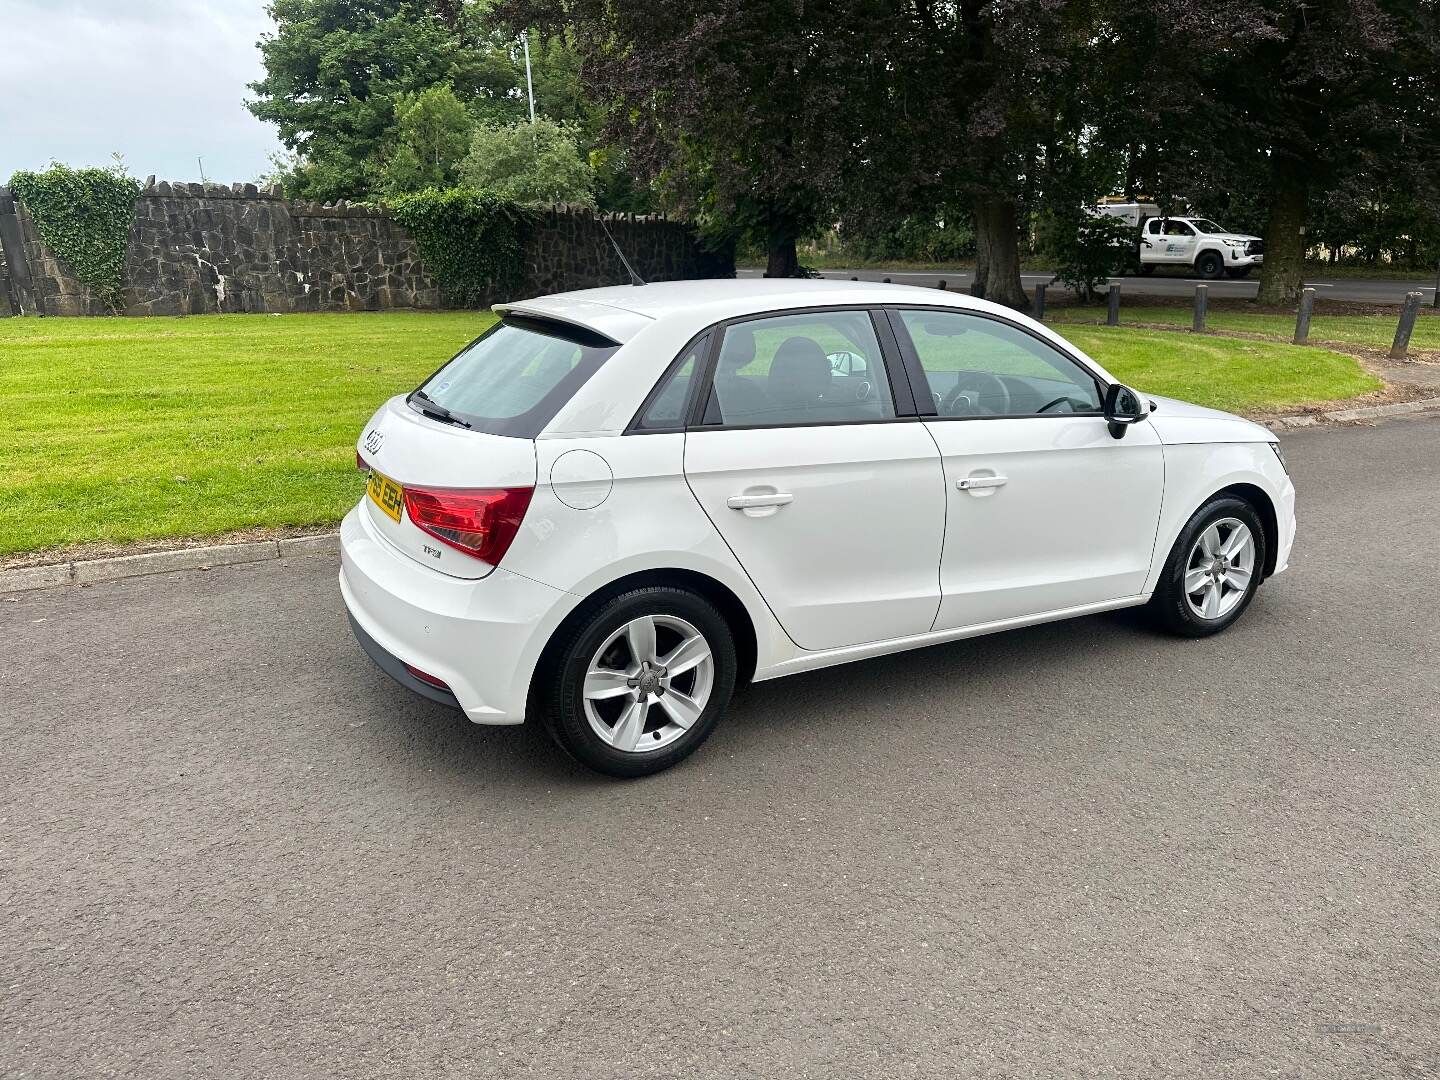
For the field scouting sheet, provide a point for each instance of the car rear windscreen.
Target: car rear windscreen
(514, 378)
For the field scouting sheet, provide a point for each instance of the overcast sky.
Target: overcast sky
(160, 81)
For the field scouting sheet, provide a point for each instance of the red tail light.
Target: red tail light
(479, 523)
(360, 462)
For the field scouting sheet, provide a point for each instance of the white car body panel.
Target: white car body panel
(851, 556)
(416, 452)
(1072, 522)
(442, 624)
(939, 563)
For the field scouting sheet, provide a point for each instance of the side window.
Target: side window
(981, 367)
(806, 368)
(666, 410)
(1178, 228)
(1154, 227)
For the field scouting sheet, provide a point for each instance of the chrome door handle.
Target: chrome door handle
(747, 502)
(970, 483)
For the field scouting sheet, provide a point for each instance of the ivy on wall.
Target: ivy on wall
(83, 216)
(472, 241)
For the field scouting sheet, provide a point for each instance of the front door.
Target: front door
(833, 505)
(1045, 509)
(1178, 242)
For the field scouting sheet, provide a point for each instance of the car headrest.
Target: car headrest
(737, 351)
(800, 373)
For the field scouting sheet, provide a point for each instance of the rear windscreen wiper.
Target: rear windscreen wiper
(433, 409)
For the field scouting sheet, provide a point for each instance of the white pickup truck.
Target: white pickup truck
(1196, 242)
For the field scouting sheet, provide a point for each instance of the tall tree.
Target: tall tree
(1275, 101)
(973, 91)
(432, 134)
(745, 111)
(336, 71)
(1349, 86)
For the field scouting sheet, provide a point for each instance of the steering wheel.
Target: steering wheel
(964, 397)
(1076, 404)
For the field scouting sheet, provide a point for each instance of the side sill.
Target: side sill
(832, 657)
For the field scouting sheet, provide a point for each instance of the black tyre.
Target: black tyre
(1210, 265)
(1213, 570)
(637, 683)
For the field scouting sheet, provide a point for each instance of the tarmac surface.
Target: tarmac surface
(231, 847)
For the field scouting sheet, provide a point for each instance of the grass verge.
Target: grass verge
(1371, 330)
(136, 429)
(125, 431)
(1235, 374)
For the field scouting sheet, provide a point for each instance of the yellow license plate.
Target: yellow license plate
(388, 495)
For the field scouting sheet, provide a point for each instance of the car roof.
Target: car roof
(620, 311)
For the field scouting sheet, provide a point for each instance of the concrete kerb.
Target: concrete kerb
(114, 568)
(1367, 412)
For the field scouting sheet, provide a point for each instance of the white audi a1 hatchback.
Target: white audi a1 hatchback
(617, 504)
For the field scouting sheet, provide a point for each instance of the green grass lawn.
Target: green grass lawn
(1235, 374)
(137, 429)
(124, 430)
(1373, 330)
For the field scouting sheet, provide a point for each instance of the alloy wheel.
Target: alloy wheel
(648, 683)
(1220, 568)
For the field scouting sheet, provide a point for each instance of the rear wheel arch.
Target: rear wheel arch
(730, 606)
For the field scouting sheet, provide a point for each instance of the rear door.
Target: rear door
(804, 455)
(1152, 241)
(1046, 510)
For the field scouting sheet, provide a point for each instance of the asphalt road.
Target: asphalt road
(229, 847)
(1165, 283)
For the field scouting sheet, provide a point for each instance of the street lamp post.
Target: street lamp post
(529, 82)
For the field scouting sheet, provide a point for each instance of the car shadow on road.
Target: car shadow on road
(980, 674)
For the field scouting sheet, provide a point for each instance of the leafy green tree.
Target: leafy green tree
(432, 135)
(1281, 101)
(529, 163)
(743, 111)
(1086, 251)
(337, 71)
(963, 97)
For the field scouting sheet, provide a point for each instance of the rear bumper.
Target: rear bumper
(481, 637)
(395, 668)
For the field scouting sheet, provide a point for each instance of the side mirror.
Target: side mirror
(1123, 407)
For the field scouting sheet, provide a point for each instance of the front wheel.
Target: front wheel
(1210, 265)
(638, 683)
(1213, 569)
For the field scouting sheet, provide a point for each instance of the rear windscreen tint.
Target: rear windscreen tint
(513, 379)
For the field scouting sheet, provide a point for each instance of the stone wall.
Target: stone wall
(7, 305)
(568, 249)
(205, 248)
